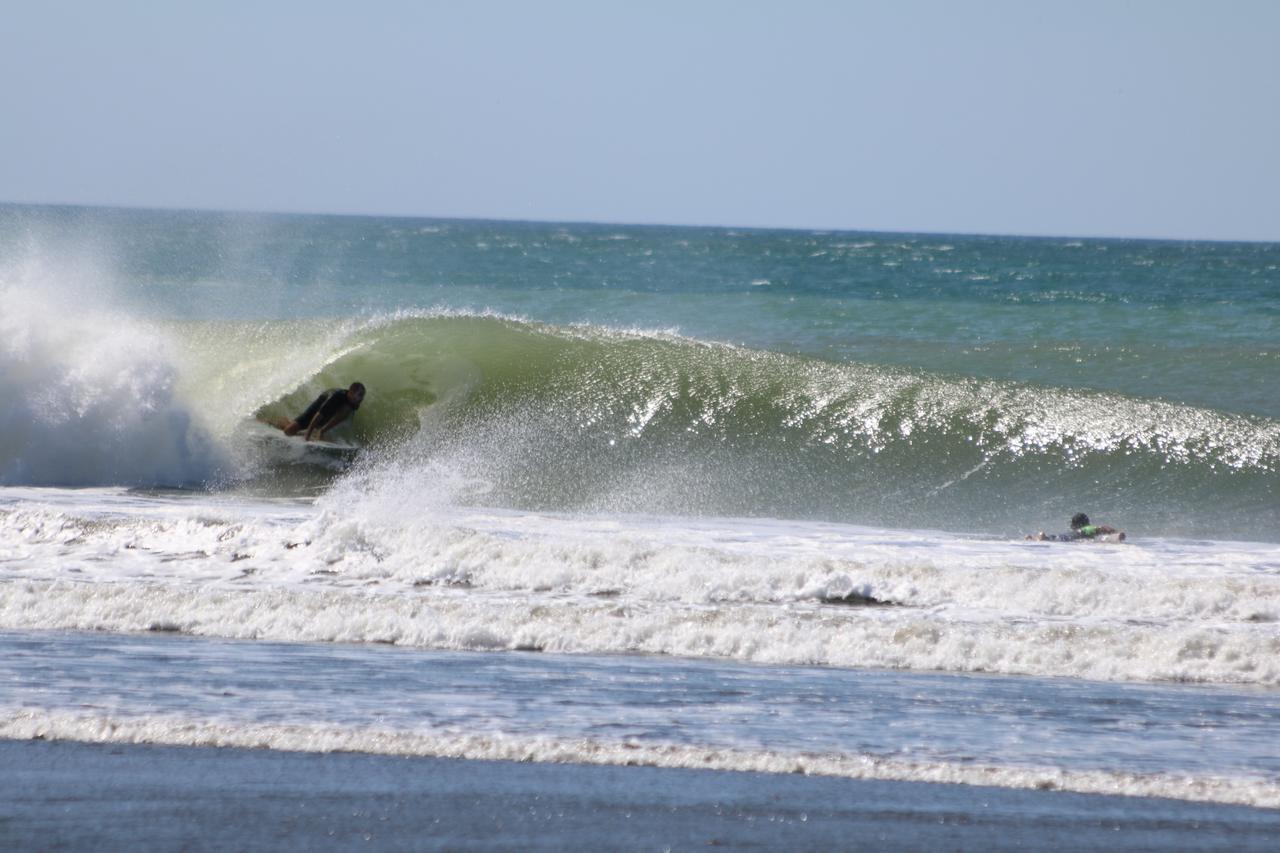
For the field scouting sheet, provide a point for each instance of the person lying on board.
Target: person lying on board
(1080, 529)
(326, 412)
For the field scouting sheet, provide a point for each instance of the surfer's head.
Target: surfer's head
(355, 394)
(1079, 520)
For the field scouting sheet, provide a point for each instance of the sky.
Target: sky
(1138, 119)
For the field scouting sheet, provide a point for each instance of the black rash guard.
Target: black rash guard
(324, 407)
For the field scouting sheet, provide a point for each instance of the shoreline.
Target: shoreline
(73, 795)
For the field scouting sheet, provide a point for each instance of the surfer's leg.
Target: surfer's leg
(289, 427)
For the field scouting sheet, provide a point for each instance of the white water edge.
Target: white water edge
(350, 568)
(21, 724)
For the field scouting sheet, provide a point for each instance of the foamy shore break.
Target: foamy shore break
(105, 730)
(161, 798)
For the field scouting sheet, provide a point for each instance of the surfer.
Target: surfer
(326, 412)
(1080, 529)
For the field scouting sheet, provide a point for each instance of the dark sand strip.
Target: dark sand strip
(73, 796)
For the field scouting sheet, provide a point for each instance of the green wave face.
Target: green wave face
(587, 418)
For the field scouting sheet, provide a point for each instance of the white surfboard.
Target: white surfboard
(295, 448)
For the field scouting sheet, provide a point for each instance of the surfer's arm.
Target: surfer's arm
(1108, 530)
(338, 417)
(313, 426)
(310, 426)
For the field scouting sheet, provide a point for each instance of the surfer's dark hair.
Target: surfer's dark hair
(1079, 520)
(356, 386)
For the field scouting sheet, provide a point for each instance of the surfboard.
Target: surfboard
(1071, 537)
(326, 446)
(296, 449)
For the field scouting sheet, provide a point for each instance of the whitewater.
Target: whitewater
(726, 486)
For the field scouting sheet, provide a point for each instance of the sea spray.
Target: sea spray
(90, 391)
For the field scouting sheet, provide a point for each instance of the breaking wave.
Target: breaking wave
(588, 418)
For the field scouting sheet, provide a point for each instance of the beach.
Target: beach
(83, 796)
(643, 537)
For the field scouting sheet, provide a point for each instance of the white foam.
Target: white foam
(751, 590)
(25, 724)
(467, 620)
(89, 392)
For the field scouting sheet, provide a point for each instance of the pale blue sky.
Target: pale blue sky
(1074, 118)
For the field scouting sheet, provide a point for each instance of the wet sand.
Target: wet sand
(74, 796)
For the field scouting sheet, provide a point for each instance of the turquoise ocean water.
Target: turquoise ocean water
(812, 451)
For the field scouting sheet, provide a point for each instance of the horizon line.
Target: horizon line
(631, 224)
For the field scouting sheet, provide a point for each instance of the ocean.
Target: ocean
(745, 500)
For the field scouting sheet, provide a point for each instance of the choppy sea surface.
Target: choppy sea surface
(757, 497)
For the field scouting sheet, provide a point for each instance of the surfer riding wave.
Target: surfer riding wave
(327, 411)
